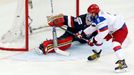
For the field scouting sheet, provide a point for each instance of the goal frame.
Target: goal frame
(27, 28)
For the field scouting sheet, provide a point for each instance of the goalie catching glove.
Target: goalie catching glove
(57, 20)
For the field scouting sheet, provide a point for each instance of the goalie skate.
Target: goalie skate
(38, 51)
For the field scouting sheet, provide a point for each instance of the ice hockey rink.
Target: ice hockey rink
(30, 63)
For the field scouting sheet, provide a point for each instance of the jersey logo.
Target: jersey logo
(103, 28)
(78, 19)
(98, 20)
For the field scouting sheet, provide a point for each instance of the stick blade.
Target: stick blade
(57, 50)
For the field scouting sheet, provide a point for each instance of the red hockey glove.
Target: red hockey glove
(90, 43)
(79, 35)
(57, 22)
(108, 37)
(94, 43)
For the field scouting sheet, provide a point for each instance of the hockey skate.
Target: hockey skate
(39, 50)
(95, 55)
(122, 66)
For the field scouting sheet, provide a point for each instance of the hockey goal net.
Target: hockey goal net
(30, 17)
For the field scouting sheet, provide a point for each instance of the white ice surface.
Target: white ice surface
(29, 63)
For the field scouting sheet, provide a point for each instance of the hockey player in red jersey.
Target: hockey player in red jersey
(108, 27)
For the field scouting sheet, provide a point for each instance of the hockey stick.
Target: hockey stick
(55, 43)
(73, 34)
(41, 27)
(87, 40)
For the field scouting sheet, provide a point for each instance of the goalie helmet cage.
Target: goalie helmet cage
(27, 28)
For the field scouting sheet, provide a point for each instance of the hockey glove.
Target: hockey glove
(94, 42)
(81, 35)
(90, 43)
(78, 35)
(57, 20)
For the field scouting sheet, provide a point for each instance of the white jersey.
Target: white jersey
(105, 23)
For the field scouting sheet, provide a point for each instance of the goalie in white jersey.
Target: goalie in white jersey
(108, 27)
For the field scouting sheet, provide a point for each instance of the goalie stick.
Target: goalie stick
(55, 43)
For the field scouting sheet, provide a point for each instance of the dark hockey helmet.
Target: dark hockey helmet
(93, 8)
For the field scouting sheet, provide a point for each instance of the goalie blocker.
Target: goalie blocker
(63, 44)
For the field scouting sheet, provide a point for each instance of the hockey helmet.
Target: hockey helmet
(93, 8)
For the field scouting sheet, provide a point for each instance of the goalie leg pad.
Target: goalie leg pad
(63, 44)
